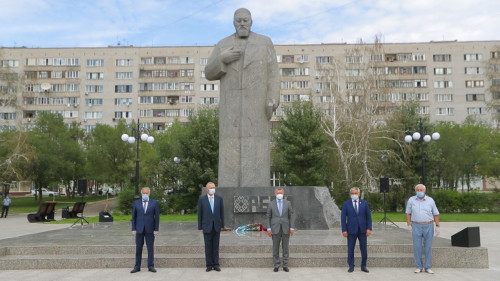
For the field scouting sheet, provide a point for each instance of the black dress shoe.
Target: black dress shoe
(217, 268)
(365, 269)
(286, 269)
(152, 269)
(275, 269)
(135, 270)
(351, 269)
(209, 268)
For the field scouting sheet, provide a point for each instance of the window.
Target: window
(209, 87)
(302, 58)
(354, 59)
(10, 63)
(123, 114)
(94, 88)
(209, 100)
(73, 74)
(474, 83)
(495, 95)
(495, 82)
(442, 71)
(354, 72)
(58, 75)
(95, 75)
(473, 57)
(474, 70)
(475, 97)
(186, 112)
(123, 88)
(203, 61)
(148, 60)
(446, 57)
(419, 57)
(287, 71)
(73, 61)
(187, 60)
(444, 97)
(173, 60)
(72, 87)
(419, 70)
(289, 98)
(124, 75)
(324, 59)
(323, 99)
(145, 100)
(404, 57)
(476, 110)
(59, 61)
(186, 99)
(422, 96)
(287, 59)
(95, 63)
(187, 72)
(159, 60)
(377, 57)
(123, 101)
(495, 55)
(145, 113)
(93, 115)
(124, 62)
(159, 99)
(420, 83)
(443, 84)
(444, 111)
(93, 102)
(190, 86)
(302, 71)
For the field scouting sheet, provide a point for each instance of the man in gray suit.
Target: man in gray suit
(281, 225)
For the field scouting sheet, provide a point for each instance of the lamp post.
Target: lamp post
(131, 139)
(417, 136)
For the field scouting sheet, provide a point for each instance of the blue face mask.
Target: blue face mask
(420, 194)
(145, 197)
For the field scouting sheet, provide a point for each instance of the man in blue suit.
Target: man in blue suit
(211, 221)
(356, 220)
(145, 225)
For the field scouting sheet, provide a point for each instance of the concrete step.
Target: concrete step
(84, 257)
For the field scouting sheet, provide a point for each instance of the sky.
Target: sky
(146, 23)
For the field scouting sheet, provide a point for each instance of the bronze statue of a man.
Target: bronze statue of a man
(246, 65)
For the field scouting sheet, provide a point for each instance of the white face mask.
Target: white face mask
(279, 196)
(211, 191)
(354, 197)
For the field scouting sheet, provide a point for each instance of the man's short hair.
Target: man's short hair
(209, 183)
(418, 185)
(146, 188)
(352, 189)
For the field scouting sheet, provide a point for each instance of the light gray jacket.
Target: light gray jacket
(286, 219)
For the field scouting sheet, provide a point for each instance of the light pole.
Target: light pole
(131, 139)
(426, 138)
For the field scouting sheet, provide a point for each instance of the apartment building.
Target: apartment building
(450, 80)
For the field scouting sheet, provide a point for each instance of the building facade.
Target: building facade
(157, 85)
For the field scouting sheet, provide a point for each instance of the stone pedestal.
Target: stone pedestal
(313, 206)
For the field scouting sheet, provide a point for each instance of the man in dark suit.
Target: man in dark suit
(356, 220)
(280, 226)
(210, 222)
(145, 225)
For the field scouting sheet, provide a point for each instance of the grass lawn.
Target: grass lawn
(28, 204)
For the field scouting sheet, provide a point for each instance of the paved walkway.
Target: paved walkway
(18, 226)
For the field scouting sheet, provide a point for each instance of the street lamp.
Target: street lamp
(131, 139)
(426, 138)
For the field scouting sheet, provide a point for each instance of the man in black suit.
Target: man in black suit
(356, 221)
(211, 221)
(145, 225)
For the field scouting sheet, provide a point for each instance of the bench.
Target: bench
(45, 213)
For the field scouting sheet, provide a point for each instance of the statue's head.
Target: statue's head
(242, 22)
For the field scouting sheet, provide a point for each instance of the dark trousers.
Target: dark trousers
(6, 210)
(212, 248)
(351, 243)
(284, 240)
(150, 245)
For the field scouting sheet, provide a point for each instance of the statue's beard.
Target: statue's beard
(243, 32)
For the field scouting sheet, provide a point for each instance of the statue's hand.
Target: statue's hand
(230, 55)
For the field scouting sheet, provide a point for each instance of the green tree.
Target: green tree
(300, 150)
(54, 151)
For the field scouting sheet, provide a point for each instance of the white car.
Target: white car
(45, 192)
(108, 190)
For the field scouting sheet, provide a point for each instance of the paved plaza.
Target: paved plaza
(17, 231)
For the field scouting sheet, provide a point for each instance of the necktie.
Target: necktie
(211, 199)
(144, 205)
(356, 205)
(280, 207)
